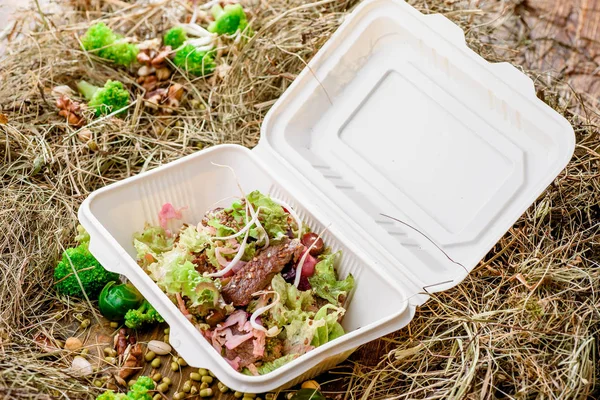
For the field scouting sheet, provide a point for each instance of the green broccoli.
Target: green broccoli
(101, 40)
(194, 61)
(139, 390)
(144, 315)
(107, 99)
(110, 395)
(92, 275)
(228, 20)
(175, 37)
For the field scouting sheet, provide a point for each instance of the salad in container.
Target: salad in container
(260, 287)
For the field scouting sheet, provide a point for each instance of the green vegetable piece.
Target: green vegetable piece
(110, 395)
(325, 331)
(111, 97)
(228, 20)
(336, 331)
(184, 279)
(116, 300)
(194, 61)
(144, 315)
(101, 40)
(324, 282)
(273, 217)
(98, 36)
(82, 235)
(92, 275)
(139, 390)
(322, 333)
(155, 241)
(175, 37)
(270, 366)
(308, 394)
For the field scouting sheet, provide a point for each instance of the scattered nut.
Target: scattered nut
(158, 347)
(163, 73)
(133, 360)
(145, 70)
(73, 343)
(81, 367)
(311, 385)
(85, 135)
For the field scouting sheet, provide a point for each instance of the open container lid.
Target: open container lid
(396, 115)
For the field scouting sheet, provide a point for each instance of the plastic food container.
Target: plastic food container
(394, 115)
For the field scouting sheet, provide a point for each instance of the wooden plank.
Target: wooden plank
(589, 21)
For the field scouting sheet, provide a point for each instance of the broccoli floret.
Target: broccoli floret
(139, 390)
(110, 395)
(92, 275)
(144, 315)
(82, 235)
(107, 99)
(175, 37)
(101, 40)
(194, 61)
(228, 20)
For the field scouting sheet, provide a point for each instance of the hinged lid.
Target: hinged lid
(396, 116)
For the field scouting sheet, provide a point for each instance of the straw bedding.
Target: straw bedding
(523, 325)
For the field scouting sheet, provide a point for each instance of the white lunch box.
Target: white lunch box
(395, 116)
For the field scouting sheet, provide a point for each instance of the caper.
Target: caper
(85, 351)
(237, 395)
(204, 385)
(166, 339)
(207, 379)
(270, 396)
(206, 392)
(131, 383)
(167, 331)
(156, 363)
(157, 377)
(187, 386)
(195, 376)
(157, 396)
(113, 353)
(174, 366)
(167, 380)
(107, 351)
(211, 374)
(110, 360)
(222, 387)
(203, 371)
(85, 323)
(182, 362)
(98, 383)
(250, 395)
(193, 390)
(163, 387)
(179, 396)
(150, 356)
(114, 324)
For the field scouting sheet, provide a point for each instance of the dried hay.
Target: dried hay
(524, 324)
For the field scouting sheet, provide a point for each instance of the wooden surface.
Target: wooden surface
(566, 43)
